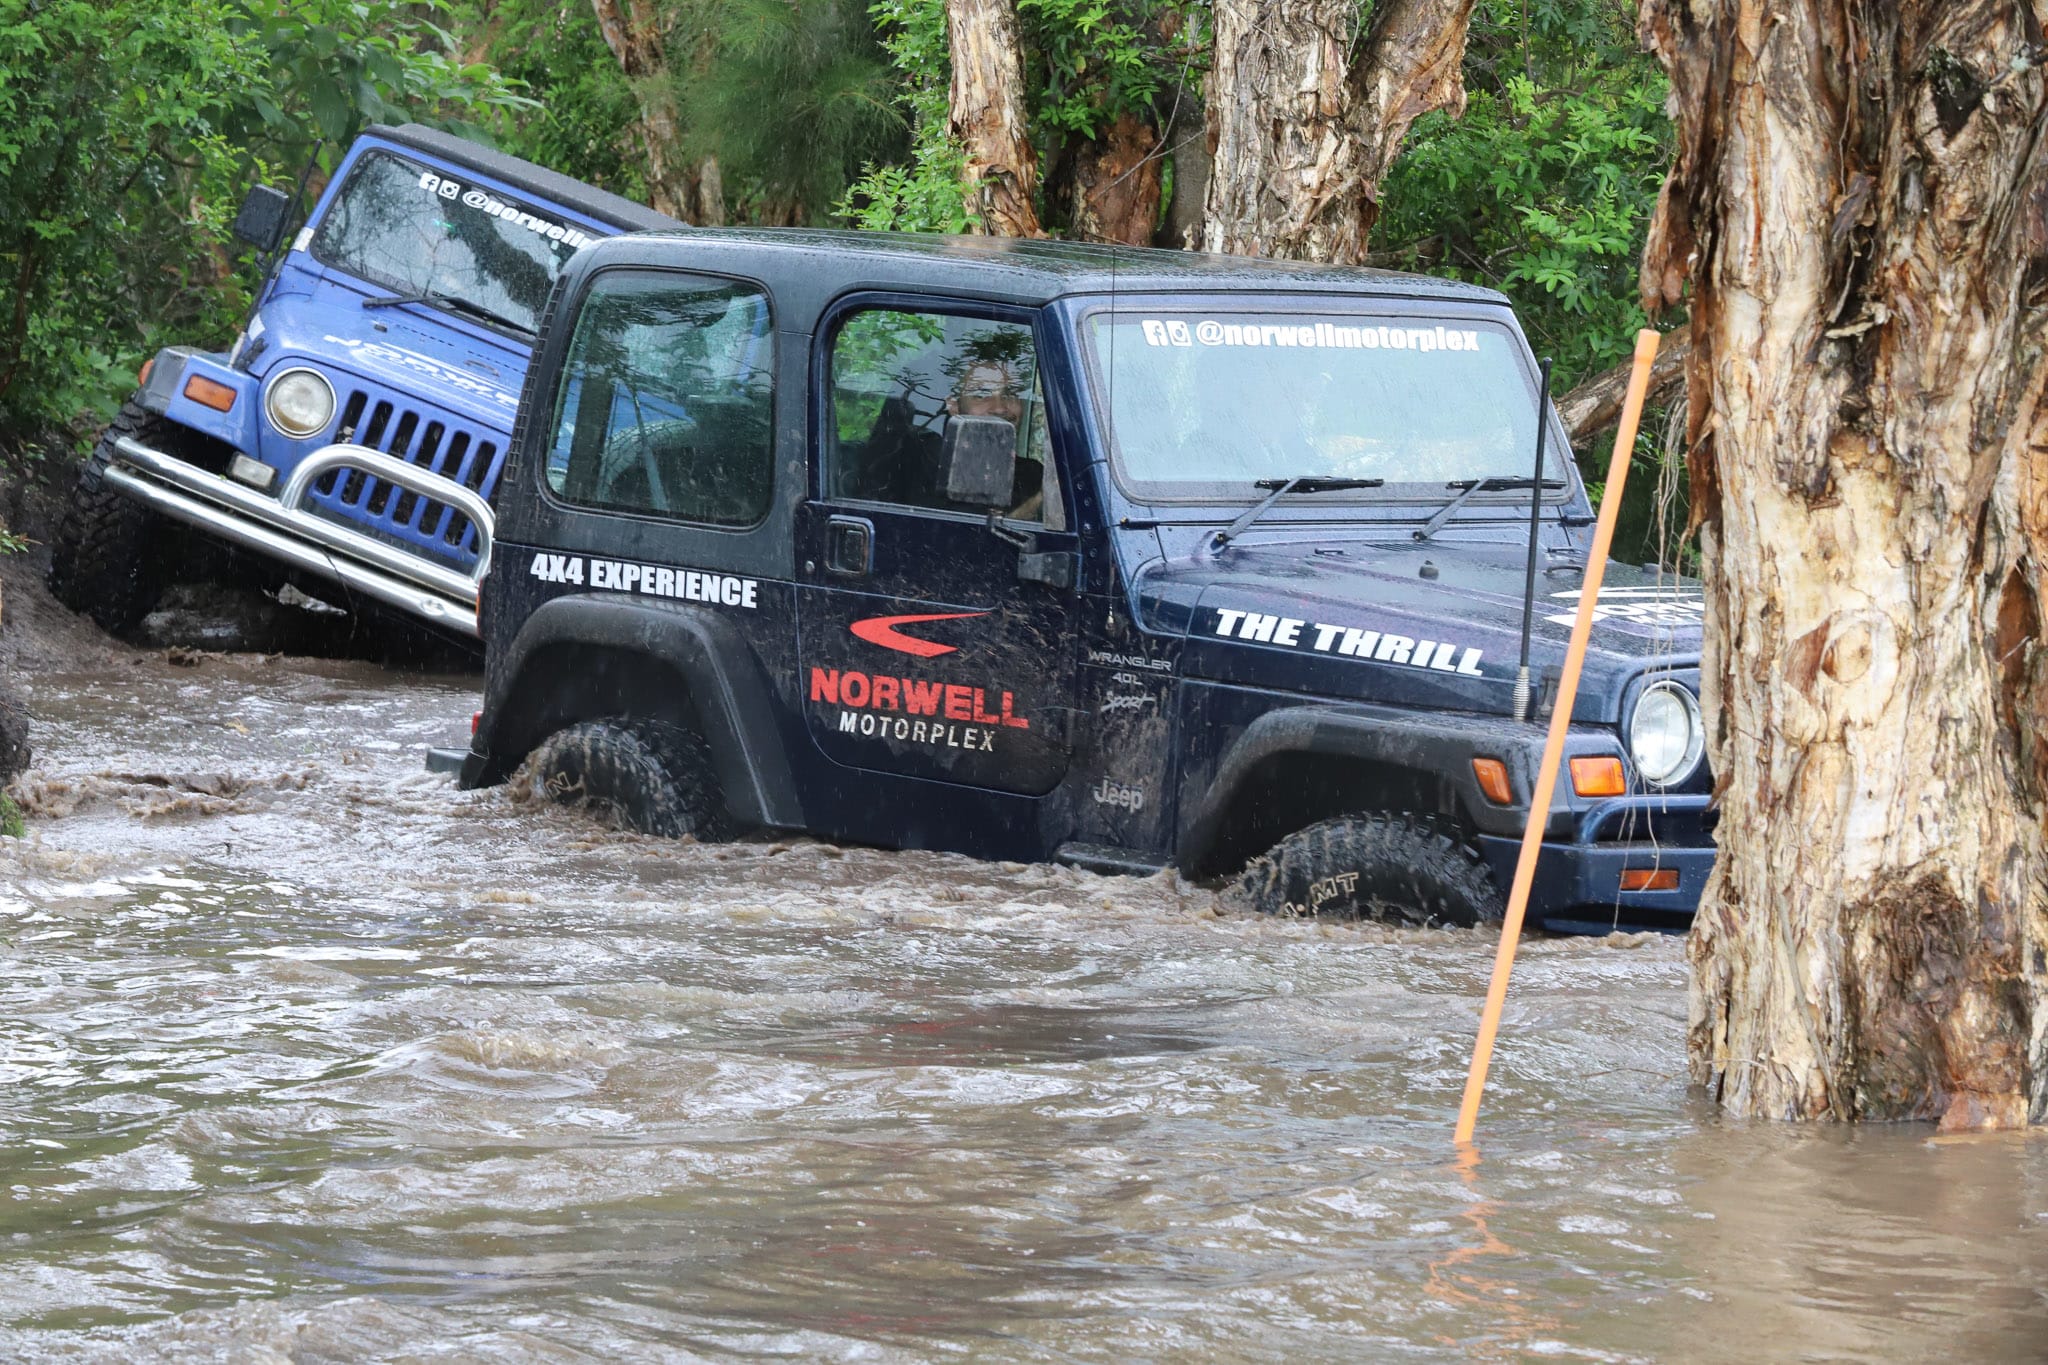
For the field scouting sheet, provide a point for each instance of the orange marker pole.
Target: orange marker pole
(1560, 722)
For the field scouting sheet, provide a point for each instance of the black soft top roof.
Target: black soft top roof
(602, 205)
(1026, 271)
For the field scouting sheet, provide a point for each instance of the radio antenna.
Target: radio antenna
(1535, 524)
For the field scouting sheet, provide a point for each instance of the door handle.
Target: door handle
(849, 546)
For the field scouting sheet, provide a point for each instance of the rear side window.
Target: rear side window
(666, 403)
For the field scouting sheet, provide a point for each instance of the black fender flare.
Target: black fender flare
(726, 680)
(1441, 746)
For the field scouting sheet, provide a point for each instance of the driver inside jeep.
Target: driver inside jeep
(899, 377)
(993, 388)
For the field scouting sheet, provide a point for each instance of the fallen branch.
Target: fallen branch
(1595, 405)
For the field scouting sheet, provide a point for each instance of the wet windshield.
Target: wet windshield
(1204, 406)
(418, 230)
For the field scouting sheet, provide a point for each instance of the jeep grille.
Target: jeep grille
(435, 441)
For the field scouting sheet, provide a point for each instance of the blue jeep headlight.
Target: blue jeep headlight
(299, 403)
(1665, 735)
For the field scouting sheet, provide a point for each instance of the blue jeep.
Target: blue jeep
(352, 438)
(1051, 552)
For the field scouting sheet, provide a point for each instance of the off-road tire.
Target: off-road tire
(107, 558)
(638, 775)
(1403, 869)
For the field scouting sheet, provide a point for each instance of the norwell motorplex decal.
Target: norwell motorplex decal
(446, 188)
(938, 715)
(1654, 606)
(1442, 656)
(1327, 335)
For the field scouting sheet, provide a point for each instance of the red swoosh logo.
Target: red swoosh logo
(881, 630)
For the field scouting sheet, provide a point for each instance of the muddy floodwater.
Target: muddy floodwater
(305, 1055)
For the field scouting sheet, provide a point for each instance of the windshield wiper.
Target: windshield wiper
(1300, 483)
(454, 305)
(1472, 487)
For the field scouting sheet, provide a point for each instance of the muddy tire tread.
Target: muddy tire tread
(647, 776)
(104, 557)
(1405, 868)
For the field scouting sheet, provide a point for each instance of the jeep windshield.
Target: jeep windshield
(1207, 407)
(433, 237)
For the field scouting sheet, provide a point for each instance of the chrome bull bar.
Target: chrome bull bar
(284, 528)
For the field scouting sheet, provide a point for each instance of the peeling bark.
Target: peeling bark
(632, 31)
(1117, 184)
(1301, 134)
(986, 104)
(1858, 221)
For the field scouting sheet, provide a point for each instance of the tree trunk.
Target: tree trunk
(632, 31)
(1187, 141)
(987, 113)
(1301, 135)
(710, 194)
(1117, 184)
(1860, 208)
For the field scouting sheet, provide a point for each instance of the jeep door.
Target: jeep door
(934, 645)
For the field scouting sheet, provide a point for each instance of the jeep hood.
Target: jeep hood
(405, 353)
(1427, 624)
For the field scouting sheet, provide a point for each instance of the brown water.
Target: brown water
(304, 1055)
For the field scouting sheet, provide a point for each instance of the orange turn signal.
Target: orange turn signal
(142, 380)
(1598, 777)
(1650, 879)
(1493, 780)
(209, 393)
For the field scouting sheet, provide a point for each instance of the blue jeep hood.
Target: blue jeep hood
(408, 355)
(1465, 620)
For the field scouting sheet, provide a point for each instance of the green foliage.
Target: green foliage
(1543, 189)
(128, 132)
(925, 194)
(582, 109)
(793, 100)
(335, 66)
(1093, 61)
(110, 118)
(12, 825)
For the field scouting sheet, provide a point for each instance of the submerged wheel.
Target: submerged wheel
(1398, 868)
(106, 558)
(638, 775)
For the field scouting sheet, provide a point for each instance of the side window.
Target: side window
(898, 378)
(666, 402)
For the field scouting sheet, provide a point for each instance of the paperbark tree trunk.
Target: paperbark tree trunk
(1117, 184)
(986, 101)
(1301, 134)
(1860, 209)
(632, 31)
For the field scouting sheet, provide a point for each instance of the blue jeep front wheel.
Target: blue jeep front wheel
(106, 555)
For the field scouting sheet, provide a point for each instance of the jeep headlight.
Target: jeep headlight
(300, 403)
(1665, 735)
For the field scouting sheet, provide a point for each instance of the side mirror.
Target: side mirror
(981, 460)
(261, 220)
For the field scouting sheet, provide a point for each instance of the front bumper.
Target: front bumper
(284, 528)
(1578, 881)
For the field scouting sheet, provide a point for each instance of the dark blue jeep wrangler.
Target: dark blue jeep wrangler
(1042, 551)
(352, 438)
